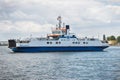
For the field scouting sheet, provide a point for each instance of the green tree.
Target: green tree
(118, 39)
(111, 38)
(108, 38)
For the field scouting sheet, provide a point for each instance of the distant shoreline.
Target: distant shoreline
(4, 45)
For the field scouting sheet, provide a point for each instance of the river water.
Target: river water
(60, 65)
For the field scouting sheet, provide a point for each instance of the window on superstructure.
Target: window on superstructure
(50, 42)
(59, 42)
(83, 42)
(92, 39)
(56, 42)
(73, 39)
(47, 42)
(73, 36)
(62, 35)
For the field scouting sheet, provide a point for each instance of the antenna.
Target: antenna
(30, 36)
(63, 24)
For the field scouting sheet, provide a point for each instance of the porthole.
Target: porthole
(83, 42)
(47, 42)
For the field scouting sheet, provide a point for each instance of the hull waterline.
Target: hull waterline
(58, 49)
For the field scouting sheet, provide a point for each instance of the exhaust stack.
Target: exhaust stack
(11, 43)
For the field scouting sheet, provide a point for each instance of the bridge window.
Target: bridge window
(83, 42)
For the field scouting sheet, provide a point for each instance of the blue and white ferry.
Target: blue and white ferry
(60, 40)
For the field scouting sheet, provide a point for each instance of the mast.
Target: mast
(59, 19)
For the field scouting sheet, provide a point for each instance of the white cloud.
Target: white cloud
(24, 27)
(32, 27)
(21, 15)
(115, 1)
(75, 10)
(34, 16)
(5, 26)
(115, 9)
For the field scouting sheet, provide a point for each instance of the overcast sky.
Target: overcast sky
(22, 18)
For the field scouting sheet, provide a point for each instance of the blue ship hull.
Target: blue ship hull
(59, 49)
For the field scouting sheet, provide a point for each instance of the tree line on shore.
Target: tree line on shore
(113, 39)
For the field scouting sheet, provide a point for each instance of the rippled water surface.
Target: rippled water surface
(60, 65)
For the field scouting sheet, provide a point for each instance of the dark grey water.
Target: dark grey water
(60, 66)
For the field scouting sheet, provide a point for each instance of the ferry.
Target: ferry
(60, 40)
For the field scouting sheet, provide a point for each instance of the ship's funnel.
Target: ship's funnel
(67, 29)
(12, 43)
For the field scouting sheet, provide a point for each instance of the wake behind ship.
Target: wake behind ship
(60, 40)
